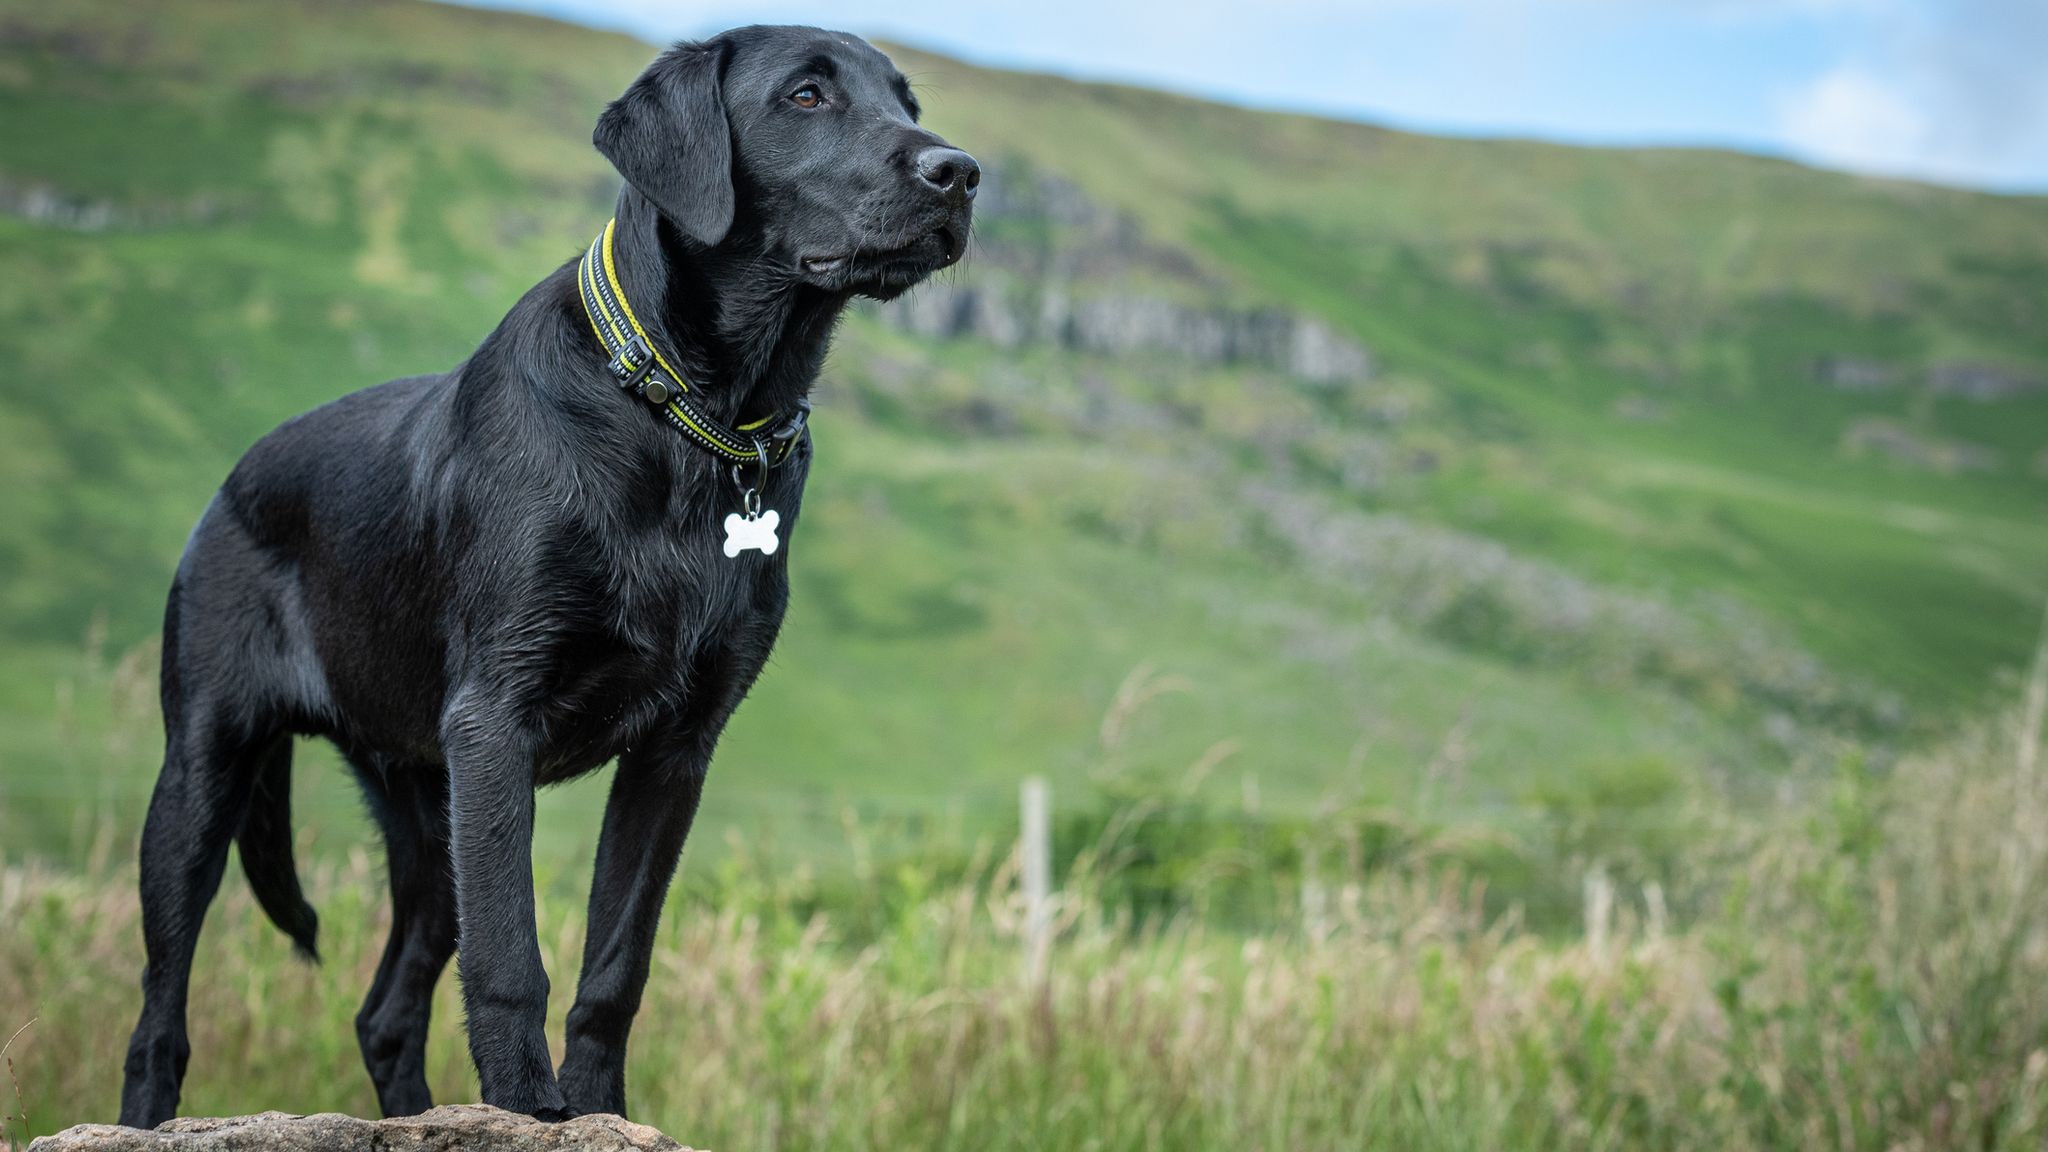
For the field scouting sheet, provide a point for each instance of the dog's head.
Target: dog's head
(805, 143)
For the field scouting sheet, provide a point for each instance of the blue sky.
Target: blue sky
(1955, 92)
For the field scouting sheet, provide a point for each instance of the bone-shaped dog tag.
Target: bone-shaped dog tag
(744, 532)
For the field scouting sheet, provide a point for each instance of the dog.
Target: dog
(508, 575)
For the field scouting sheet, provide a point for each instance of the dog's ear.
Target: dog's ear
(669, 137)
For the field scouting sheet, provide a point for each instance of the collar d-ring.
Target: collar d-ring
(750, 494)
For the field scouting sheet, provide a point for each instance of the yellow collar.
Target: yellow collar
(643, 371)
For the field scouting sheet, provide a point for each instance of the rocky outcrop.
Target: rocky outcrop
(1963, 379)
(1126, 324)
(451, 1128)
(1053, 267)
(1856, 374)
(55, 208)
(1894, 441)
(1980, 382)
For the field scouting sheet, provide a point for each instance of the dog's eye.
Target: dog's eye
(807, 97)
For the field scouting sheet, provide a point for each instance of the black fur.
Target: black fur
(508, 575)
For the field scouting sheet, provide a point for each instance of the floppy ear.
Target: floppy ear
(669, 138)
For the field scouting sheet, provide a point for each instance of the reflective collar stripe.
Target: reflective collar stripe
(644, 371)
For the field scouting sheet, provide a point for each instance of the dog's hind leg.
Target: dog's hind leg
(237, 668)
(211, 762)
(411, 804)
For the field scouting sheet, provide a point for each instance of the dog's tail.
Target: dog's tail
(265, 841)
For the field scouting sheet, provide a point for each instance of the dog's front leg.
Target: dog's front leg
(653, 800)
(504, 985)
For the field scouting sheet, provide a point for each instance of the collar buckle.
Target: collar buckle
(792, 425)
(632, 363)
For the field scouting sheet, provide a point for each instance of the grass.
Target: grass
(1862, 970)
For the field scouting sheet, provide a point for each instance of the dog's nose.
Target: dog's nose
(953, 172)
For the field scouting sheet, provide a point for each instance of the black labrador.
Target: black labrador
(481, 582)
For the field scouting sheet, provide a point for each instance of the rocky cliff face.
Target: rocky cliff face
(451, 1128)
(1964, 379)
(1052, 267)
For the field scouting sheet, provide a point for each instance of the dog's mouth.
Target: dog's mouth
(939, 248)
(950, 245)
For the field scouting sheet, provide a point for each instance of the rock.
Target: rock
(1321, 356)
(450, 1128)
(1875, 435)
(1980, 382)
(1855, 374)
(1115, 323)
(1056, 269)
(56, 208)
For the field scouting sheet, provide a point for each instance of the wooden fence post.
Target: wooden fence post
(1035, 851)
(1599, 908)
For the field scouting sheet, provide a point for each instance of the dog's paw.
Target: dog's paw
(555, 1115)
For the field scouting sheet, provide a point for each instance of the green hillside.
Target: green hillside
(1515, 470)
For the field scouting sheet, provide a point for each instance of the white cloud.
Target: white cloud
(1850, 119)
(1953, 90)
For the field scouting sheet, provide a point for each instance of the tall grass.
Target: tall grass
(1871, 973)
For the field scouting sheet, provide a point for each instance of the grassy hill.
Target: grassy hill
(1668, 466)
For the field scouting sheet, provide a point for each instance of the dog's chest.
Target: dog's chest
(655, 628)
(659, 643)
